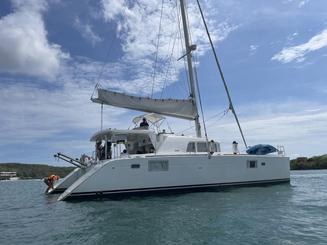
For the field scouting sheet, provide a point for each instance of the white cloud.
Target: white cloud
(57, 117)
(292, 36)
(302, 3)
(36, 110)
(253, 49)
(33, 113)
(299, 125)
(297, 53)
(137, 27)
(87, 32)
(24, 48)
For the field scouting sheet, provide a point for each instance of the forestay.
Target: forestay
(170, 107)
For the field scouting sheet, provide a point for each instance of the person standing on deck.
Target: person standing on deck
(144, 124)
(99, 150)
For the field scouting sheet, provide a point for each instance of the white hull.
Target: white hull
(184, 171)
(14, 178)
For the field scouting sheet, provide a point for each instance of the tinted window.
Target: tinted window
(190, 147)
(158, 165)
(251, 164)
(214, 147)
(202, 146)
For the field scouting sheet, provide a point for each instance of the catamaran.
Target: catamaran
(148, 159)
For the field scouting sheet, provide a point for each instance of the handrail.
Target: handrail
(73, 161)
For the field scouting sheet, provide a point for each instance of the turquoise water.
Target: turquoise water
(280, 214)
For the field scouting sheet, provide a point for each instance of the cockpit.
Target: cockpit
(147, 139)
(112, 143)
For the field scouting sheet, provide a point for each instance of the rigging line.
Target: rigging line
(103, 65)
(169, 127)
(169, 65)
(222, 113)
(231, 107)
(95, 88)
(179, 86)
(157, 49)
(170, 59)
(214, 123)
(106, 57)
(201, 107)
(101, 116)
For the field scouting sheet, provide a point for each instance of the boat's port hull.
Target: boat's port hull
(118, 194)
(57, 191)
(63, 184)
(167, 173)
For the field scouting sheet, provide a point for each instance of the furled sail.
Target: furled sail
(170, 107)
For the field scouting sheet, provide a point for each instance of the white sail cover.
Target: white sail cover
(170, 107)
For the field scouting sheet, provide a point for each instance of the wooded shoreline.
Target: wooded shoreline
(34, 171)
(311, 163)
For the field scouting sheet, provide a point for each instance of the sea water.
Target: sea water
(294, 213)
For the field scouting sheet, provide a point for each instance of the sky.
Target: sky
(54, 52)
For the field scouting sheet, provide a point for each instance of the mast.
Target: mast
(190, 69)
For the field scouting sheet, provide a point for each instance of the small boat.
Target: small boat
(5, 175)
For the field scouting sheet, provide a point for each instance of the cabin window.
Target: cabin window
(252, 164)
(190, 147)
(135, 165)
(263, 164)
(213, 147)
(202, 147)
(158, 165)
(217, 147)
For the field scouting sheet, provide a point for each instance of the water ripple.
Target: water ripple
(280, 214)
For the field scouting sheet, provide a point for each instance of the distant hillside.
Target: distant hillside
(304, 163)
(34, 171)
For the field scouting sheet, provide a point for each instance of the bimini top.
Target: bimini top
(150, 117)
(120, 134)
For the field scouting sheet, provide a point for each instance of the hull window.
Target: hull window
(252, 164)
(158, 165)
(135, 166)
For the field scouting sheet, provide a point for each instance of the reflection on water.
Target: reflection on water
(278, 214)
